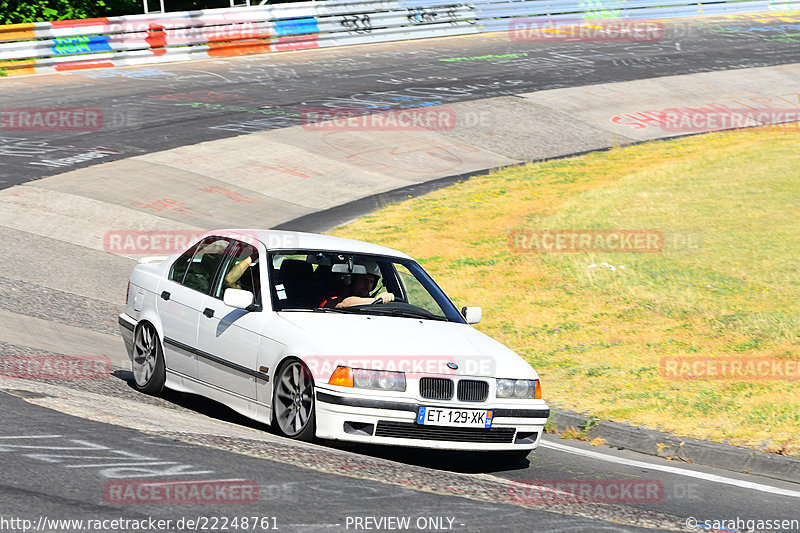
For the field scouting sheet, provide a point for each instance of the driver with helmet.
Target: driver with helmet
(357, 291)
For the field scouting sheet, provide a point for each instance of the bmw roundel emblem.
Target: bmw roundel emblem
(452, 366)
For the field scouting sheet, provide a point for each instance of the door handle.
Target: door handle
(165, 295)
(208, 312)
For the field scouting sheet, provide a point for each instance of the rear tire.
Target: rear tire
(148, 360)
(293, 406)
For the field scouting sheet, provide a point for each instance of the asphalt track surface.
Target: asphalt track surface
(57, 466)
(154, 108)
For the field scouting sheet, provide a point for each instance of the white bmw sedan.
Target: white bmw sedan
(326, 337)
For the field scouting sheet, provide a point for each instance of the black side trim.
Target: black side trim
(125, 324)
(361, 402)
(414, 407)
(211, 357)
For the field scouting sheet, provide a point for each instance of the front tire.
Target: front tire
(148, 360)
(293, 406)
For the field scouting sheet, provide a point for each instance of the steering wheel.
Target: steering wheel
(377, 301)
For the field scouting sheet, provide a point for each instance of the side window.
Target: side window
(204, 264)
(178, 269)
(241, 271)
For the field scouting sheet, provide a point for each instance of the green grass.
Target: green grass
(726, 284)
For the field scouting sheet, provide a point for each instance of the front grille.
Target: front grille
(470, 390)
(436, 388)
(405, 430)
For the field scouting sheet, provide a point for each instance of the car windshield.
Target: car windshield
(340, 282)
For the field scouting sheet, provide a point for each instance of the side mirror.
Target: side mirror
(237, 298)
(472, 314)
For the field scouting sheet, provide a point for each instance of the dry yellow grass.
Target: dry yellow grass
(597, 336)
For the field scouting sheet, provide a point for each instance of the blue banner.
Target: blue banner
(81, 45)
(296, 26)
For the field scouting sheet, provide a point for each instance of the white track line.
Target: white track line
(671, 469)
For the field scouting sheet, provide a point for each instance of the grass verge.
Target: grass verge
(725, 284)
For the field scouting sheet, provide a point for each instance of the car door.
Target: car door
(229, 337)
(180, 302)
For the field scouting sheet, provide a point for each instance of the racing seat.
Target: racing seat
(297, 276)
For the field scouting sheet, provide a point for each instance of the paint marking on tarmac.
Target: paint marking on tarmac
(672, 470)
(32, 437)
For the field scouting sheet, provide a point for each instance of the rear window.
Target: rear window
(204, 264)
(178, 270)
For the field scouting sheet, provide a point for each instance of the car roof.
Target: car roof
(297, 240)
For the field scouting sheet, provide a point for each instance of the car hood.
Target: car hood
(397, 343)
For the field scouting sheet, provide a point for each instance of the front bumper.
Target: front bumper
(127, 325)
(356, 418)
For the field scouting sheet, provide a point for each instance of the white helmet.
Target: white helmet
(372, 268)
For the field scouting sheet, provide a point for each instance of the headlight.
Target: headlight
(505, 388)
(368, 379)
(518, 388)
(379, 379)
(524, 388)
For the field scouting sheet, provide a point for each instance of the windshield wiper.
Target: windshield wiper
(335, 310)
(370, 310)
(406, 314)
(315, 310)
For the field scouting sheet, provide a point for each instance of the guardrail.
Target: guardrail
(155, 38)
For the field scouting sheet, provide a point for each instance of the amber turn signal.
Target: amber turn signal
(341, 377)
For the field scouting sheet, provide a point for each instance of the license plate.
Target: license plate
(440, 416)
